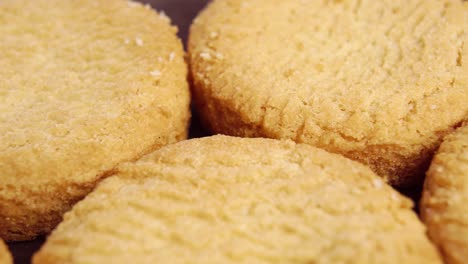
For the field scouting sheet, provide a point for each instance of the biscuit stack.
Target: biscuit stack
(324, 105)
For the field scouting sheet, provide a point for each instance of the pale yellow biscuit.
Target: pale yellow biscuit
(5, 257)
(238, 200)
(380, 82)
(84, 85)
(444, 206)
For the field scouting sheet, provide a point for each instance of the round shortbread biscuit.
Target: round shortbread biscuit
(380, 82)
(239, 200)
(84, 85)
(5, 257)
(444, 206)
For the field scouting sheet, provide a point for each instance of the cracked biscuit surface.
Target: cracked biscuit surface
(380, 82)
(84, 85)
(444, 206)
(239, 200)
(5, 257)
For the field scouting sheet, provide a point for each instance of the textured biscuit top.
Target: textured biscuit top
(238, 200)
(378, 81)
(84, 85)
(5, 257)
(445, 200)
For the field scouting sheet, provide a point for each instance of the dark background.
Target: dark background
(182, 13)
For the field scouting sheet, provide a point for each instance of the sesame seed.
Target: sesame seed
(433, 107)
(172, 56)
(127, 41)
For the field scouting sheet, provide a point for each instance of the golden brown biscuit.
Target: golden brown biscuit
(444, 205)
(380, 82)
(5, 257)
(238, 200)
(84, 85)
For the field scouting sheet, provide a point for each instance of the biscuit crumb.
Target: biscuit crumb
(155, 73)
(163, 15)
(205, 56)
(213, 34)
(428, 211)
(378, 183)
(219, 56)
(139, 41)
(132, 4)
(433, 107)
